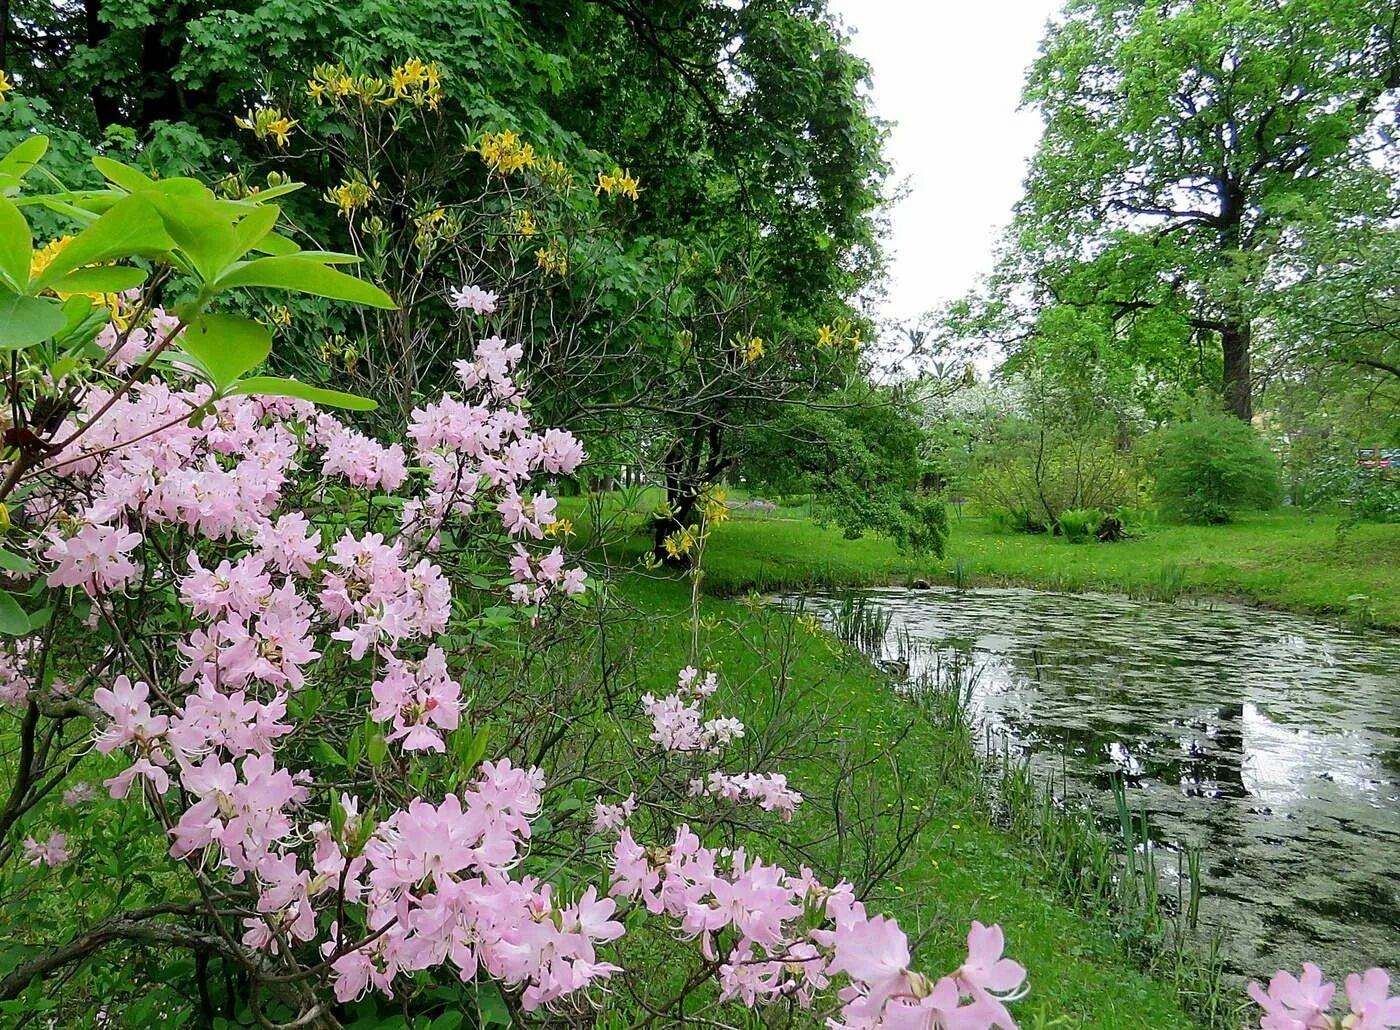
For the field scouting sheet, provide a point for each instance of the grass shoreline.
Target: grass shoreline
(1285, 562)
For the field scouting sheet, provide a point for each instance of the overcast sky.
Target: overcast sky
(949, 75)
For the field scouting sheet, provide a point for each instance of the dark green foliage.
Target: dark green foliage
(858, 454)
(1213, 466)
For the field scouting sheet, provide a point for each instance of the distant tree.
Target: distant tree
(1184, 144)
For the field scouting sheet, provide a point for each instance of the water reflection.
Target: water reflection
(1271, 742)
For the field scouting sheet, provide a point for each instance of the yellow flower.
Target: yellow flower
(281, 316)
(826, 336)
(560, 527)
(525, 224)
(505, 153)
(351, 194)
(681, 542)
(753, 350)
(43, 256)
(316, 90)
(552, 260)
(556, 175)
(620, 181)
(5, 86)
(628, 185)
(268, 122)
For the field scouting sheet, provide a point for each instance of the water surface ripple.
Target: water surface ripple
(1270, 741)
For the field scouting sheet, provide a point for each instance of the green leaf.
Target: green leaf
(14, 562)
(376, 748)
(276, 387)
(16, 246)
(131, 228)
(276, 243)
(25, 321)
(202, 230)
(305, 273)
(226, 346)
(15, 165)
(101, 279)
(327, 753)
(13, 621)
(255, 227)
(128, 178)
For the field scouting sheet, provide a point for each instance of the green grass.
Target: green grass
(961, 867)
(1284, 560)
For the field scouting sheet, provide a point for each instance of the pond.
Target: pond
(1269, 741)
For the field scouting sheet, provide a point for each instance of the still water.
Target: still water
(1269, 741)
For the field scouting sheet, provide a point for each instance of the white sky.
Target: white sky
(949, 74)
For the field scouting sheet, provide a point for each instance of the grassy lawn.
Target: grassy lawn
(961, 868)
(1286, 560)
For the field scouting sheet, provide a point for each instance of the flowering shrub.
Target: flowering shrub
(263, 620)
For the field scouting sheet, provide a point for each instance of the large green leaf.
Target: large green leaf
(202, 228)
(15, 165)
(101, 279)
(273, 386)
(16, 247)
(25, 321)
(131, 228)
(14, 562)
(13, 620)
(306, 273)
(227, 346)
(128, 178)
(255, 226)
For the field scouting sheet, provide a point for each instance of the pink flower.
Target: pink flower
(94, 558)
(607, 818)
(1372, 1006)
(985, 971)
(475, 298)
(1291, 1003)
(51, 852)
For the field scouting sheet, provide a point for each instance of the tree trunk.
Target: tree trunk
(1239, 393)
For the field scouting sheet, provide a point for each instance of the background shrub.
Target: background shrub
(1212, 467)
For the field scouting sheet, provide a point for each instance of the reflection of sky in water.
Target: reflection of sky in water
(1281, 762)
(1270, 741)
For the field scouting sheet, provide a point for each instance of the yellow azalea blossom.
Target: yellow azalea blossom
(525, 224)
(5, 87)
(505, 153)
(281, 316)
(552, 260)
(560, 527)
(268, 122)
(351, 194)
(714, 508)
(681, 542)
(316, 90)
(556, 174)
(826, 336)
(753, 350)
(628, 185)
(41, 258)
(620, 181)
